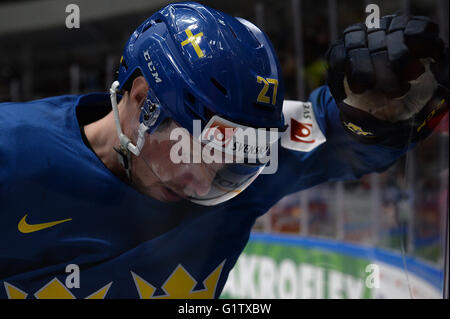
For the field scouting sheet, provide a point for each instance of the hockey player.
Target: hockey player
(88, 188)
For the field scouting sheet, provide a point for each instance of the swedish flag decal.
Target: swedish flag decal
(194, 43)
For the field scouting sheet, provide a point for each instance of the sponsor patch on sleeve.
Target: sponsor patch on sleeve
(303, 133)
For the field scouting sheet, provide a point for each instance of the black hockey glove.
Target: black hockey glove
(390, 83)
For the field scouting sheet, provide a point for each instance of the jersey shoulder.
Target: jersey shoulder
(34, 113)
(31, 130)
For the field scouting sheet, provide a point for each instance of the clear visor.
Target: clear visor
(208, 167)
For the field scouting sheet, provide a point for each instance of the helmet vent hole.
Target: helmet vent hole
(219, 86)
(194, 114)
(146, 27)
(190, 98)
(208, 114)
(149, 25)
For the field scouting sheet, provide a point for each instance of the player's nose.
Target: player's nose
(196, 181)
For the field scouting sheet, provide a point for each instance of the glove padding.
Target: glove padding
(384, 79)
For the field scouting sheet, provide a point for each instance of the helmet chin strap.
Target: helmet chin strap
(126, 146)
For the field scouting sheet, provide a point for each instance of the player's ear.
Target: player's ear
(138, 91)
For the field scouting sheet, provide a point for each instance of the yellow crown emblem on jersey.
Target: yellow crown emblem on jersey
(54, 289)
(179, 285)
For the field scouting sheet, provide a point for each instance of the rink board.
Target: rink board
(281, 266)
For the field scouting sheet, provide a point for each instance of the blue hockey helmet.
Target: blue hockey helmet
(201, 62)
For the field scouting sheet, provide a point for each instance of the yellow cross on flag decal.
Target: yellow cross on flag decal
(194, 43)
(192, 39)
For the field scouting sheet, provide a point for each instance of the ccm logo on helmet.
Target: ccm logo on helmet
(151, 67)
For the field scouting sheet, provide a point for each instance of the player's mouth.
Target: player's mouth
(170, 195)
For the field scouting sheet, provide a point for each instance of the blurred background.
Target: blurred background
(397, 219)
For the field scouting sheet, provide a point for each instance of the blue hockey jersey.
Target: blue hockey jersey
(62, 211)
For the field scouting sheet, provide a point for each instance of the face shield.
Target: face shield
(209, 166)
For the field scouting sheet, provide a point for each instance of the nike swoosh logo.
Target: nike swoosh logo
(26, 228)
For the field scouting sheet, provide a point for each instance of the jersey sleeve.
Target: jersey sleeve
(316, 148)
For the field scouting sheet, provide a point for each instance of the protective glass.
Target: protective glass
(211, 167)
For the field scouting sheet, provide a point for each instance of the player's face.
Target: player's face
(157, 175)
